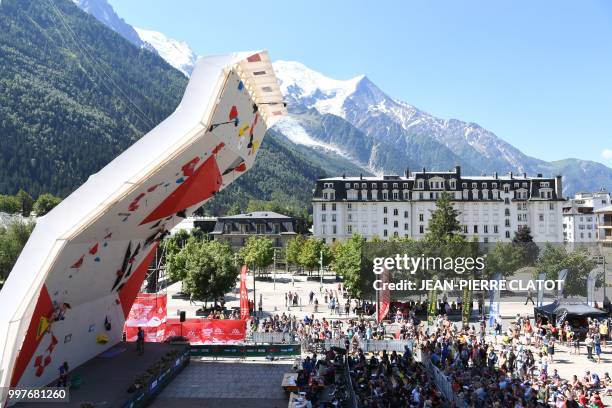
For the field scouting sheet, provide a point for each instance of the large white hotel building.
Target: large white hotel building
(491, 208)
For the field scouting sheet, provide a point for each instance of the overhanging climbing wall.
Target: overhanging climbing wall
(77, 277)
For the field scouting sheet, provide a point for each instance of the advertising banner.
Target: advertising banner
(494, 301)
(384, 301)
(149, 312)
(540, 301)
(561, 277)
(244, 294)
(591, 279)
(208, 331)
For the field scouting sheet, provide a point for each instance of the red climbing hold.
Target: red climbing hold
(241, 167)
(78, 263)
(94, 249)
(233, 113)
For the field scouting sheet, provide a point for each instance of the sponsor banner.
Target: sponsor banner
(591, 279)
(494, 301)
(207, 331)
(384, 301)
(561, 277)
(149, 312)
(223, 331)
(244, 294)
(540, 301)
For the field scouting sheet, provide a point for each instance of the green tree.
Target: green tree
(234, 209)
(176, 258)
(444, 223)
(292, 252)
(210, 271)
(346, 262)
(523, 239)
(12, 241)
(45, 203)
(578, 263)
(505, 258)
(26, 202)
(9, 204)
(258, 252)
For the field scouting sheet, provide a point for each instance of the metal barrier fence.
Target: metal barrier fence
(442, 382)
(274, 338)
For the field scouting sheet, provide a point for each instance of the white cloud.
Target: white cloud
(606, 154)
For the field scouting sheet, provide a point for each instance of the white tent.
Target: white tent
(86, 260)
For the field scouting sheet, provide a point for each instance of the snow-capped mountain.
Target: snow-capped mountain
(176, 53)
(105, 13)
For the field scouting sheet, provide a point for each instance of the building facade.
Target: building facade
(580, 223)
(491, 208)
(604, 225)
(236, 229)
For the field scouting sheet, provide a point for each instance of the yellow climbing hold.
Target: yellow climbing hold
(243, 129)
(102, 338)
(43, 325)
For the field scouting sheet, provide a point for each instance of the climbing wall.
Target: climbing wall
(90, 284)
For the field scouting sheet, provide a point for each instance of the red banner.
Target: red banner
(384, 300)
(219, 331)
(149, 312)
(244, 294)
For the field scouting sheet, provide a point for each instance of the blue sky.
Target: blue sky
(537, 73)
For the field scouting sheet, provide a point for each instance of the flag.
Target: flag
(494, 301)
(540, 301)
(384, 297)
(591, 285)
(561, 276)
(244, 294)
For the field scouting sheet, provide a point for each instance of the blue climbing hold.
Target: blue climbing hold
(240, 86)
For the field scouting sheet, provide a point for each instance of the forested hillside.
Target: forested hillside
(73, 95)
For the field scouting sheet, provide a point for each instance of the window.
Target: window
(541, 217)
(395, 211)
(347, 185)
(395, 185)
(333, 217)
(551, 206)
(323, 217)
(405, 185)
(395, 195)
(332, 196)
(323, 207)
(421, 229)
(507, 234)
(406, 226)
(406, 195)
(405, 214)
(385, 195)
(350, 217)
(349, 206)
(334, 230)
(395, 234)
(495, 229)
(486, 229)
(506, 200)
(395, 224)
(356, 186)
(333, 206)
(507, 212)
(463, 185)
(385, 233)
(349, 229)
(475, 229)
(325, 196)
(385, 220)
(384, 210)
(494, 185)
(465, 229)
(507, 223)
(421, 217)
(384, 186)
(452, 184)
